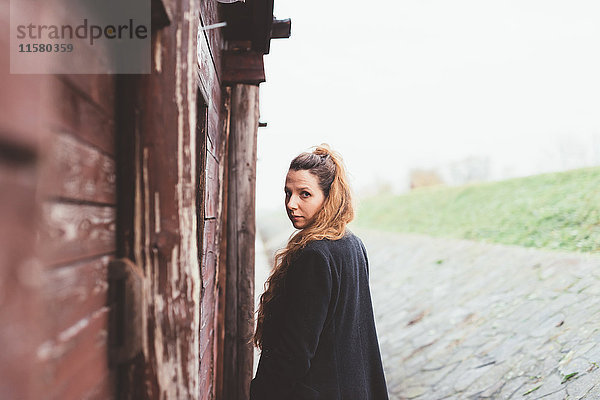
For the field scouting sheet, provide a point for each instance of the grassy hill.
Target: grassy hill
(553, 211)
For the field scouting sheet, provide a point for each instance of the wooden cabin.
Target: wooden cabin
(126, 201)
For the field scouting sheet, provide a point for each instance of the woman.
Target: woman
(315, 320)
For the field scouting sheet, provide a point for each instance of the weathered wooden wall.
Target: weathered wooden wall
(77, 234)
(172, 231)
(20, 305)
(58, 206)
(98, 168)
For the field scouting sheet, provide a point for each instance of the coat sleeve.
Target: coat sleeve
(307, 294)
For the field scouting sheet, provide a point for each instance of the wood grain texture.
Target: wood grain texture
(75, 359)
(207, 70)
(72, 232)
(209, 248)
(243, 67)
(22, 320)
(73, 292)
(165, 223)
(70, 111)
(98, 89)
(78, 171)
(213, 131)
(241, 231)
(209, 15)
(20, 110)
(21, 104)
(211, 197)
(221, 275)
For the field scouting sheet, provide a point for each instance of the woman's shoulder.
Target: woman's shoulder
(327, 246)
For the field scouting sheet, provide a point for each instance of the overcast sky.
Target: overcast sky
(395, 85)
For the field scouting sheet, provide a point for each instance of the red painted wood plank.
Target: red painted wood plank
(209, 249)
(20, 109)
(72, 231)
(100, 89)
(21, 316)
(104, 389)
(71, 112)
(77, 358)
(73, 292)
(78, 171)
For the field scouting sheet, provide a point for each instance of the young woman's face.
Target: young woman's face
(303, 197)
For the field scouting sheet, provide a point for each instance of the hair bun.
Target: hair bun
(323, 150)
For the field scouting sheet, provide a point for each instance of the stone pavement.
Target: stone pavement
(465, 320)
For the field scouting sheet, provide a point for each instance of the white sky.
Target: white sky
(398, 84)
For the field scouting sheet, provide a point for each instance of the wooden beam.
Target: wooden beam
(239, 305)
(159, 16)
(222, 265)
(281, 28)
(243, 67)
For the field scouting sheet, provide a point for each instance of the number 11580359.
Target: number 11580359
(45, 48)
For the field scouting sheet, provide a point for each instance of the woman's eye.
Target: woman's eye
(305, 194)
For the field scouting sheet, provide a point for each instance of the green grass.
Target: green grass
(554, 211)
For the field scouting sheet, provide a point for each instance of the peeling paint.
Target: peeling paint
(172, 271)
(175, 271)
(156, 212)
(137, 246)
(158, 52)
(137, 239)
(54, 349)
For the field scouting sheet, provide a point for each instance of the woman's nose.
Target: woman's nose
(292, 203)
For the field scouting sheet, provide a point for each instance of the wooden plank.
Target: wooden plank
(213, 131)
(99, 89)
(206, 69)
(206, 375)
(73, 292)
(209, 247)
(76, 355)
(92, 381)
(20, 110)
(211, 197)
(72, 231)
(104, 389)
(243, 67)
(207, 327)
(20, 97)
(209, 15)
(21, 319)
(166, 182)
(221, 275)
(238, 352)
(70, 112)
(281, 28)
(78, 171)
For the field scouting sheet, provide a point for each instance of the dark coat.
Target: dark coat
(319, 340)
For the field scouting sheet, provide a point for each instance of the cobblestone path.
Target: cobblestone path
(466, 320)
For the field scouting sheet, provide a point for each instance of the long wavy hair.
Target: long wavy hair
(329, 222)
